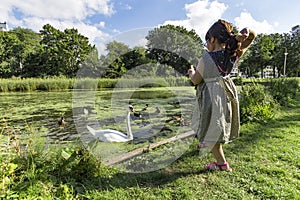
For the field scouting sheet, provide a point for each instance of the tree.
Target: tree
(29, 49)
(259, 56)
(277, 53)
(293, 58)
(113, 65)
(174, 46)
(91, 67)
(9, 54)
(63, 51)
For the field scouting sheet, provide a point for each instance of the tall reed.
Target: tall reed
(62, 83)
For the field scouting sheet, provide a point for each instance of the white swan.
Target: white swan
(109, 135)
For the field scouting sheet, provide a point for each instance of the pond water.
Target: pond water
(105, 109)
(168, 114)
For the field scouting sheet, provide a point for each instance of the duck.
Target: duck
(135, 113)
(145, 107)
(62, 122)
(110, 135)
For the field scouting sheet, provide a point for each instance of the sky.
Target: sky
(103, 21)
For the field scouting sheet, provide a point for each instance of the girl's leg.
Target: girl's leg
(218, 153)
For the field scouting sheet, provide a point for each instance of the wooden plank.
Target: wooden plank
(141, 150)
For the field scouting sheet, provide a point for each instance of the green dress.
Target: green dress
(216, 117)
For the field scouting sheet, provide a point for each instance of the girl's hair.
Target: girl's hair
(223, 32)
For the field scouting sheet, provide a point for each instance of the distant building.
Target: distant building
(3, 26)
(234, 72)
(296, 30)
(268, 72)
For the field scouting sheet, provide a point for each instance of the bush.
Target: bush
(237, 80)
(284, 90)
(256, 104)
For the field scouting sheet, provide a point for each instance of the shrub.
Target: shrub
(256, 104)
(238, 80)
(284, 90)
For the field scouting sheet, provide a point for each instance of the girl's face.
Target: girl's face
(209, 45)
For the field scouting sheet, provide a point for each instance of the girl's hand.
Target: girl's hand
(244, 34)
(246, 37)
(191, 71)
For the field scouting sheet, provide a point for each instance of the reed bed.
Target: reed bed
(62, 83)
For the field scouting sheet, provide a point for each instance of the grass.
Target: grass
(265, 162)
(63, 83)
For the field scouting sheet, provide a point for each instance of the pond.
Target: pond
(168, 113)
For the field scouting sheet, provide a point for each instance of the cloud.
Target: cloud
(200, 15)
(127, 6)
(101, 24)
(66, 14)
(92, 32)
(246, 20)
(63, 10)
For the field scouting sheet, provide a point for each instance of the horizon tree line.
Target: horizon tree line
(169, 52)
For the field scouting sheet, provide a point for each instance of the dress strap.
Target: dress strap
(229, 88)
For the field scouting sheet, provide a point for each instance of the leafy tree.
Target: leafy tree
(75, 48)
(174, 46)
(9, 54)
(29, 49)
(292, 43)
(51, 42)
(135, 57)
(113, 65)
(91, 67)
(63, 51)
(260, 54)
(277, 53)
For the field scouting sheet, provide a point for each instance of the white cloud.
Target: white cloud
(127, 7)
(100, 6)
(203, 13)
(101, 24)
(63, 10)
(33, 14)
(142, 42)
(200, 15)
(246, 20)
(124, 6)
(92, 32)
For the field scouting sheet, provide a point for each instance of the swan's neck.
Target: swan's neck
(130, 136)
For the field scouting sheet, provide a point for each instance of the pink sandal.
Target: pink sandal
(213, 166)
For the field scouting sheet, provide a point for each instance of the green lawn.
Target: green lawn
(265, 162)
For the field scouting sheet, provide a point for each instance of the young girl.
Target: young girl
(216, 120)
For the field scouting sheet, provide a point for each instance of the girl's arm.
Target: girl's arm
(195, 75)
(246, 37)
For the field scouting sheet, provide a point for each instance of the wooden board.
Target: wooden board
(141, 150)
